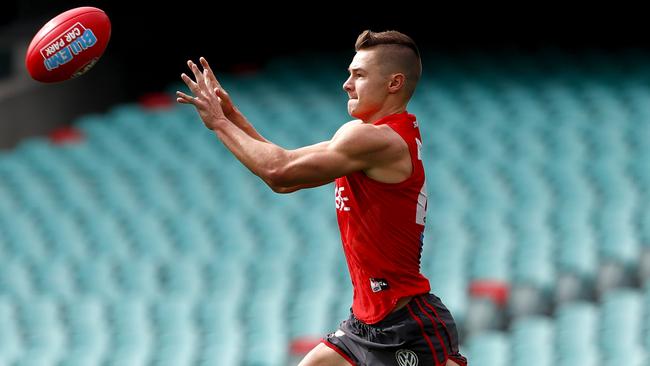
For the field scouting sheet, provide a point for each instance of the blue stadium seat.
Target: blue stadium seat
(87, 339)
(179, 278)
(492, 246)
(446, 250)
(621, 317)
(192, 235)
(310, 315)
(130, 330)
(236, 240)
(576, 334)
(52, 278)
(11, 345)
(61, 232)
(20, 240)
(175, 338)
(576, 244)
(221, 331)
(267, 340)
(15, 279)
(147, 236)
(136, 277)
(533, 259)
(41, 329)
(532, 342)
(489, 349)
(227, 278)
(103, 234)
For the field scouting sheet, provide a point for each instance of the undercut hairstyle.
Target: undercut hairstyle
(401, 53)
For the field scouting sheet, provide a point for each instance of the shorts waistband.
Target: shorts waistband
(396, 316)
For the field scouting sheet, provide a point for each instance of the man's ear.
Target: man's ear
(397, 82)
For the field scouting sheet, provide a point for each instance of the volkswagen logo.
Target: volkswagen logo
(406, 357)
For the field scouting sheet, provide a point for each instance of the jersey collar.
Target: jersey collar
(397, 117)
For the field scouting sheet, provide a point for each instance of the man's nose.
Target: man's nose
(347, 85)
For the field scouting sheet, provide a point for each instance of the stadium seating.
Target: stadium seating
(144, 242)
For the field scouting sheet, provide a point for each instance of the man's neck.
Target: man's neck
(383, 113)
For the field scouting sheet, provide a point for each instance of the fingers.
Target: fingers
(208, 71)
(203, 82)
(206, 77)
(184, 98)
(197, 87)
(223, 95)
(198, 76)
(191, 84)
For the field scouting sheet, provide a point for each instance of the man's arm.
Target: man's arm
(234, 114)
(285, 190)
(355, 147)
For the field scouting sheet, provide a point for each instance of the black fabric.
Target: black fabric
(409, 334)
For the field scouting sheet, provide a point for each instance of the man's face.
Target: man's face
(367, 86)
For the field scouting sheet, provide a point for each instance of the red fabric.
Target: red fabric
(497, 291)
(382, 228)
(65, 135)
(246, 68)
(156, 101)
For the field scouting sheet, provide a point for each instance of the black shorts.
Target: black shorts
(421, 333)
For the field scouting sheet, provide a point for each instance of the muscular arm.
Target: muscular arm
(243, 123)
(354, 147)
(235, 116)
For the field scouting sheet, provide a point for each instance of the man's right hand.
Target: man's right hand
(229, 110)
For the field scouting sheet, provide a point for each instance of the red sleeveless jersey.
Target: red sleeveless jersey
(382, 227)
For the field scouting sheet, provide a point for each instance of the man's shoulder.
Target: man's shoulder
(348, 125)
(356, 130)
(358, 127)
(378, 143)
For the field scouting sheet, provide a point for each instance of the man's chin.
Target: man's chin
(352, 108)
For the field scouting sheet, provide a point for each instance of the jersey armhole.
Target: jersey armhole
(405, 181)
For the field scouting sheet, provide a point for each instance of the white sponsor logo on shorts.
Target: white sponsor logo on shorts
(339, 333)
(406, 357)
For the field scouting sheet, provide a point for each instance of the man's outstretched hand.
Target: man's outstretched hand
(206, 100)
(229, 109)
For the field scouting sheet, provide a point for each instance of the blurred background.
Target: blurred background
(130, 236)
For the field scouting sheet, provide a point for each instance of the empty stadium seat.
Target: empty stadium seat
(532, 341)
(87, 339)
(11, 346)
(621, 327)
(576, 334)
(490, 348)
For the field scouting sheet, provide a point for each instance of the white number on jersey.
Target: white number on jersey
(421, 210)
(419, 145)
(340, 200)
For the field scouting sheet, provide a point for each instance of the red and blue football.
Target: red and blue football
(68, 45)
